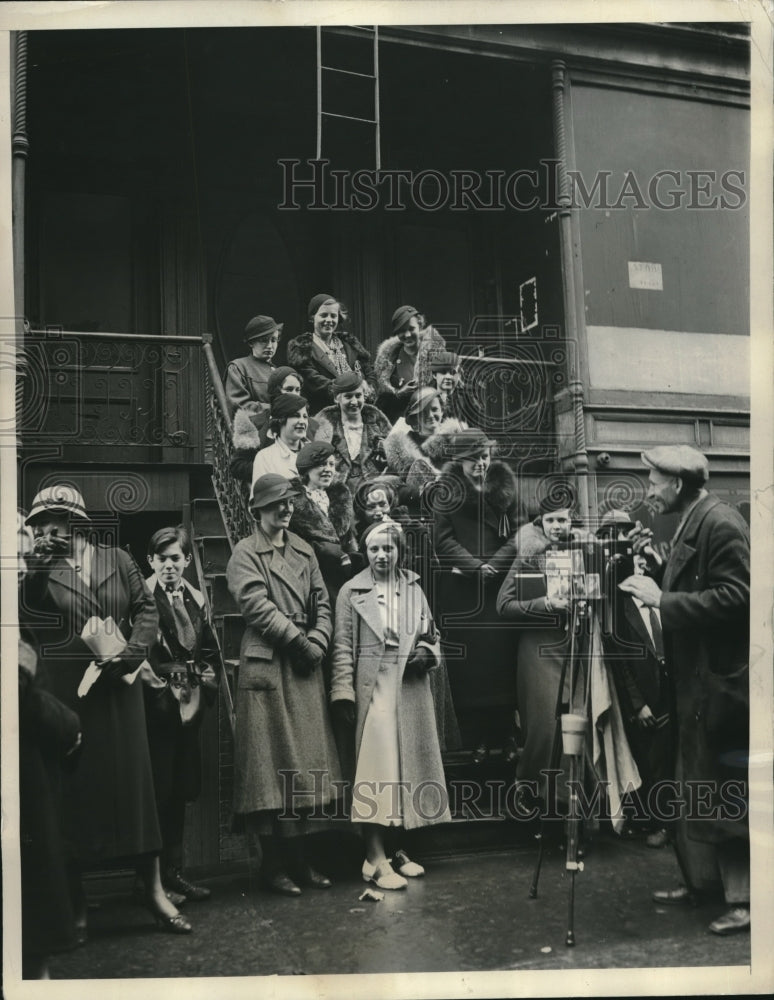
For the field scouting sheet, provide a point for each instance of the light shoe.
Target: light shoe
(406, 866)
(383, 876)
(736, 921)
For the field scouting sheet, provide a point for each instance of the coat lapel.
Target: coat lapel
(322, 359)
(287, 569)
(634, 618)
(367, 606)
(102, 568)
(67, 587)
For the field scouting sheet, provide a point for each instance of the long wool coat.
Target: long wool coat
(371, 461)
(282, 719)
(109, 809)
(471, 529)
(358, 651)
(705, 616)
(314, 366)
(247, 383)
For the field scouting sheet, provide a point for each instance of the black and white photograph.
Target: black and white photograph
(387, 409)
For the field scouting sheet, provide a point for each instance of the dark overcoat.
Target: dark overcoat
(471, 529)
(330, 535)
(247, 383)
(358, 651)
(282, 719)
(705, 615)
(109, 808)
(317, 371)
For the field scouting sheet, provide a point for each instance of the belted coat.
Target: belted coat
(358, 652)
(109, 809)
(705, 616)
(282, 719)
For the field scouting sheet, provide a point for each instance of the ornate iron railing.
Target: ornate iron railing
(232, 494)
(141, 393)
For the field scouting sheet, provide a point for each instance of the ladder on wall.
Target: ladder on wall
(341, 89)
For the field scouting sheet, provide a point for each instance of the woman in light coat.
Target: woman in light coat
(284, 755)
(384, 646)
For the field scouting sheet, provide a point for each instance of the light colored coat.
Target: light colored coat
(358, 651)
(281, 718)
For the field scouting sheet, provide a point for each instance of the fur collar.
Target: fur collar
(435, 446)
(331, 415)
(500, 488)
(530, 541)
(312, 524)
(246, 435)
(401, 448)
(303, 344)
(430, 343)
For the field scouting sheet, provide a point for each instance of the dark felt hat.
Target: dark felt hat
(469, 443)
(270, 488)
(286, 404)
(443, 359)
(277, 377)
(401, 316)
(313, 454)
(677, 460)
(261, 327)
(317, 300)
(347, 382)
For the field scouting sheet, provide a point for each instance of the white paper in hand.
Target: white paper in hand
(104, 638)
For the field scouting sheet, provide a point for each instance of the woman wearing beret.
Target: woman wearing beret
(402, 362)
(355, 429)
(476, 514)
(323, 514)
(384, 646)
(246, 382)
(289, 424)
(326, 351)
(285, 761)
(251, 427)
(109, 807)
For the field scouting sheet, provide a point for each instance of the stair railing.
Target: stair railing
(232, 495)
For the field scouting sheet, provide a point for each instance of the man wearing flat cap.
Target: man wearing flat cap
(703, 594)
(246, 382)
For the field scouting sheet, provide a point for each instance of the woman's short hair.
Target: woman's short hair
(165, 537)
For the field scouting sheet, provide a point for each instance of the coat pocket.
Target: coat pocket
(258, 669)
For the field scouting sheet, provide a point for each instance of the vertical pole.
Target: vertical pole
(19, 149)
(319, 92)
(377, 114)
(564, 203)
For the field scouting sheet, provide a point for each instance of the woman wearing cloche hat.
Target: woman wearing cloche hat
(283, 733)
(402, 362)
(246, 381)
(327, 350)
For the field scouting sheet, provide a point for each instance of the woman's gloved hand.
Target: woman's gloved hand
(304, 656)
(419, 661)
(343, 713)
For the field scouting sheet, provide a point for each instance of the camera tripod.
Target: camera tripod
(569, 737)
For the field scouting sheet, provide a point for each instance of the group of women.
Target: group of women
(390, 510)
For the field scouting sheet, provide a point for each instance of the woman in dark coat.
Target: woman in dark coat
(355, 429)
(285, 759)
(109, 807)
(179, 684)
(384, 646)
(49, 734)
(322, 514)
(246, 381)
(326, 351)
(476, 513)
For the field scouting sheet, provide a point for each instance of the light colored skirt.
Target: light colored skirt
(376, 797)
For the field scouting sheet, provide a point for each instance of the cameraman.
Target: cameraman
(704, 600)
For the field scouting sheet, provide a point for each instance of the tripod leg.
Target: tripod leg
(571, 863)
(533, 889)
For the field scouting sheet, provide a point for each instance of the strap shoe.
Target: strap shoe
(175, 881)
(383, 876)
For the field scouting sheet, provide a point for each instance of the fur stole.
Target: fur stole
(246, 434)
(430, 343)
(301, 347)
(401, 448)
(436, 446)
(500, 489)
(531, 542)
(312, 524)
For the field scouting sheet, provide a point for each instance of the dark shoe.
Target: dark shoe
(176, 924)
(175, 881)
(659, 838)
(308, 876)
(282, 884)
(177, 899)
(480, 754)
(681, 896)
(736, 921)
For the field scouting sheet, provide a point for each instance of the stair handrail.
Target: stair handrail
(231, 494)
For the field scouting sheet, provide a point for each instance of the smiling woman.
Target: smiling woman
(289, 424)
